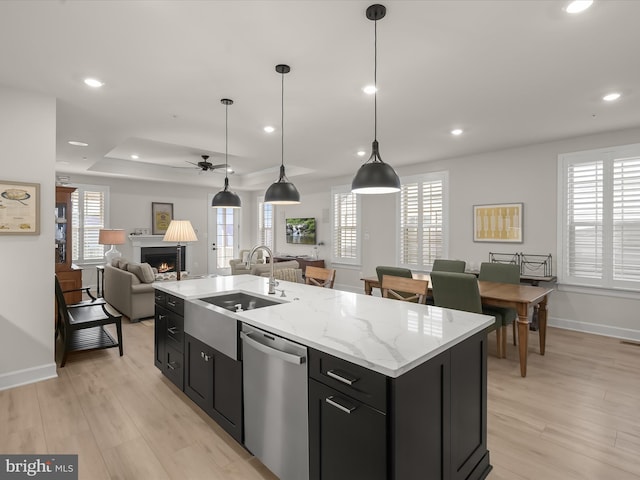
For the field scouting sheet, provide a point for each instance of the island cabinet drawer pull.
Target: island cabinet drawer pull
(171, 365)
(171, 303)
(332, 400)
(161, 317)
(342, 376)
(172, 330)
(159, 297)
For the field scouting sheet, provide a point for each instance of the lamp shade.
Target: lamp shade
(180, 231)
(375, 178)
(111, 237)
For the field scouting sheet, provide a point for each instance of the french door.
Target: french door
(223, 236)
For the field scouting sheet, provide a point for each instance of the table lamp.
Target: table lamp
(111, 237)
(180, 231)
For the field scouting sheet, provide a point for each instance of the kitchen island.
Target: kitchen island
(395, 390)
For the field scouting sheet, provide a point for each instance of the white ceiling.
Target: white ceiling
(508, 72)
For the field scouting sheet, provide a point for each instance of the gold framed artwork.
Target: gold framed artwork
(19, 208)
(161, 216)
(499, 223)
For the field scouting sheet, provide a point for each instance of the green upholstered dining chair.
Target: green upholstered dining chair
(442, 265)
(503, 273)
(382, 270)
(459, 291)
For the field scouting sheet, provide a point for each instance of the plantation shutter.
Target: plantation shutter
(422, 221)
(599, 241)
(346, 234)
(89, 217)
(626, 219)
(265, 224)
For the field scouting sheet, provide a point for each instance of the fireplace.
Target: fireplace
(162, 258)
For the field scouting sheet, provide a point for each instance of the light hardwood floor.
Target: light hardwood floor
(575, 416)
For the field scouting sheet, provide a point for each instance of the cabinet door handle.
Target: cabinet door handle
(171, 365)
(161, 317)
(172, 330)
(205, 356)
(342, 377)
(334, 403)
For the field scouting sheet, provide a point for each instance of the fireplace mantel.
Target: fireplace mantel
(139, 241)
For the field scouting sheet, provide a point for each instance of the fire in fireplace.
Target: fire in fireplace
(162, 258)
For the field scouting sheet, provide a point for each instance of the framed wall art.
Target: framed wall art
(498, 223)
(19, 208)
(161, 216)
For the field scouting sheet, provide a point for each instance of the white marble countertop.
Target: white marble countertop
(387, 336)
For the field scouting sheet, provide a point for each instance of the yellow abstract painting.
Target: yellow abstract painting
(498, 223)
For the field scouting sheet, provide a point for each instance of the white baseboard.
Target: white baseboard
(28, 375)
(598, 329)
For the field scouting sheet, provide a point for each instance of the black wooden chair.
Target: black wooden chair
(81, 326)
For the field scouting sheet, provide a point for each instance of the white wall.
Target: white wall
(28, 136)
(525, 174)
(130, 208)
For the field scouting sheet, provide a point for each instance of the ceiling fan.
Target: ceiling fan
(205, 165)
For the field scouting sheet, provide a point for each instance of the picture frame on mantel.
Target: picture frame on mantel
(498, 223)
(161, 216)
(19, 208)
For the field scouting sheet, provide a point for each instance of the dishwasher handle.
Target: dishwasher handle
(287, 357)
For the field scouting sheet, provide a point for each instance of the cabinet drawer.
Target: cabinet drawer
(175, 304)
(160, 298)
(358, 382)
(174, 367)
(175, 332)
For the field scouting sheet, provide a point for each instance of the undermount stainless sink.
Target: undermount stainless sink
(239, 301)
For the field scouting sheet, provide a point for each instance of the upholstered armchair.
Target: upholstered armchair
(239, 265)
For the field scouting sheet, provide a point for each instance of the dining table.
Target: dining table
(523, 298)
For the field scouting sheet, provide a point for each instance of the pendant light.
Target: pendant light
(282, 192)
(225, 198)
(375, 176)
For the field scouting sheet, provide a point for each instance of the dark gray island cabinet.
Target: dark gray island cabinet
(424, 421)
(429, 423)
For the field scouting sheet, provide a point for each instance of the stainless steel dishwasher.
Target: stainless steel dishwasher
(276, 402)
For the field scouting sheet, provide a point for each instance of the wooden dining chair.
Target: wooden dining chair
(321, 277)
(405, 289)
(81, 326)
(503, 273)
(460, 291)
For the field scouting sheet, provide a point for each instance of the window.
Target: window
(423, 220)
(265, 224)
(345, 214)
(599, 231)
(89, 211)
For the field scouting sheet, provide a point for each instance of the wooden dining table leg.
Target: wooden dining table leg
(542, 324)
(523, 337)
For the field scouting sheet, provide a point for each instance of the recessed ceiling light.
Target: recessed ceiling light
(77, 144)
(369, 89)
(134, 157)
(361, 153)
(578, 6)
(457, 131)
(610, 97)
(93, 82)
(269, 129)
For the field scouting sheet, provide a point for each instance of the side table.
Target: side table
(100, 280)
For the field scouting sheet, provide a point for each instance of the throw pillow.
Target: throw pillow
(121, 263)
(143, 271)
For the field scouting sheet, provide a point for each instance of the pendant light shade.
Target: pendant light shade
(225, 198)
(282, 192)
(375, 176)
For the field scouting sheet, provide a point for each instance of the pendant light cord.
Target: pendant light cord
(375, 80)
(226, 144)
(282, 121)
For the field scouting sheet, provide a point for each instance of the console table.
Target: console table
(304, 262)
